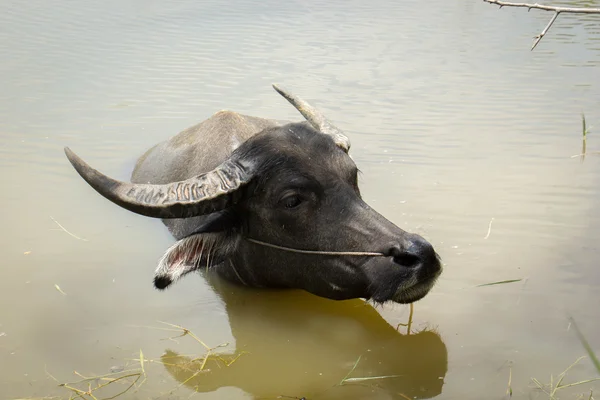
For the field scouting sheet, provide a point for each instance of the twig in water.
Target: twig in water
(79, 393)
(557, 10)
(500, 282)
(351, 371)
(64, 229)
(186, 331)
(489, 229)
(509, 389)
(585, 132)
(410, 318)
(59, 289)
(362, 379)
(142, 367)
(50, 375)
(552, 389)
(584, 154)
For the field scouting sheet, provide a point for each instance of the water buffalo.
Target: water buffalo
(271, 204)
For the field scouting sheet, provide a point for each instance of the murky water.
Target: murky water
(455, 125)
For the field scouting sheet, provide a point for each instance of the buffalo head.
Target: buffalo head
(272, 205)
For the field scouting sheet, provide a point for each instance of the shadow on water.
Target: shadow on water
(299, 345)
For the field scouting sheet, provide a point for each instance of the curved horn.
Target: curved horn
(202, 194)
(316, 118)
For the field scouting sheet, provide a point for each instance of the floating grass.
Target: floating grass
(585, 130)
(59, 289)
(509, 390)
(347, 378)
(66, 231)
(102, 387)
(584, 139)
(552, 388)
(500, 282)
(351, 371)
(586, 345)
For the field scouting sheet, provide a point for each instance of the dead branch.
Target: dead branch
(572, 10)
(556, 10)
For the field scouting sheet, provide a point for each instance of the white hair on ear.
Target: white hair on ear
(192, 253)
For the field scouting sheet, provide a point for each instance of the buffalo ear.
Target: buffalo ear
(199, 250)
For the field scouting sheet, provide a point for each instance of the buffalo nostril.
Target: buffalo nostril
(407, 260)
(413, 252)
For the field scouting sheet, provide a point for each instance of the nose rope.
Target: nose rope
(327, 253)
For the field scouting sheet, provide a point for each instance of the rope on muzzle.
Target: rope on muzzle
(319, 252)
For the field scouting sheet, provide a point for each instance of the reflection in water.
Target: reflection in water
(296, 344)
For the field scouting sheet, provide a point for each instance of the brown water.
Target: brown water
(453, 121)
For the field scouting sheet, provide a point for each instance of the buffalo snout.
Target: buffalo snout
(414, 252)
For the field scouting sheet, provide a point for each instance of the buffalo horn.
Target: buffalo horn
(316, 118)
(203, 194)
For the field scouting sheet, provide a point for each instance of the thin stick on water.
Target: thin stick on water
(489, 229)
(365, 378)
(64, 229)
(99, 377)
(554, 388)
(59, 289)
(126, 389)
(500, 282)
(351, 371)
(185, 332)
(50, 375)
(509, 391)
(410, 319)
(556, 10)
(584, 154)
(142, 367)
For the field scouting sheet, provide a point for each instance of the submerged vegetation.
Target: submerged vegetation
(552, 388)
(585, 130)
(121, 381)
(586, 346)
(127, 380)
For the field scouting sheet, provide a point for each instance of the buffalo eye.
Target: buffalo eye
(292, 201)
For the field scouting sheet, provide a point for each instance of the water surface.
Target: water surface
(453, 122)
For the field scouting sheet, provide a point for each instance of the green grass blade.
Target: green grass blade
(500, 282)
(351, 371)
(579, 383)
(587, 346)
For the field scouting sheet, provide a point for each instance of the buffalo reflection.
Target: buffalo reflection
(300, 345)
